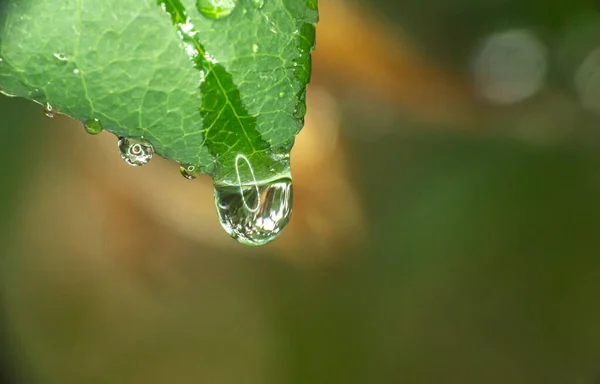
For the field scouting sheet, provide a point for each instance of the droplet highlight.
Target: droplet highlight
(216, 9)
(93, 126)
(136, 151)
(60, 57)
(48, 111)
(255, 214)
(189, 171)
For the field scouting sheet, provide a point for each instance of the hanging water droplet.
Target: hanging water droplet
(216, 9)
(258, 3)
(93, 126)
(48, 110)
(300, 110)
(255, 214)
(255, 48)
(135, 150)
(189, 171)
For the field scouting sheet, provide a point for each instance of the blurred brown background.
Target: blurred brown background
(445, 225)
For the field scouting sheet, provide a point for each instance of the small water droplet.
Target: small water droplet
(76, 71)
(281, 95)
(189, 171)
(255, 214)
(258, 4)
(93, 126)
(255, 48)
(216, 9)
(48, 111)
(60, 57)
(300, 110)
(135, 150)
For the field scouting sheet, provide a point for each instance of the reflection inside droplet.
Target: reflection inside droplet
(48, 110)
(255, 214)
(189, 171)
(135, 150)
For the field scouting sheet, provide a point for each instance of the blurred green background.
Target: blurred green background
(470, 254)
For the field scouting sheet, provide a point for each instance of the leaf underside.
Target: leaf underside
(202, 91)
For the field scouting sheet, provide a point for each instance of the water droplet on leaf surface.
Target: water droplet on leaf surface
(60, 57)
(93, 126)
(255, 214)
(135, 150)
(255, 48)
(48, 111)
(258, 3)
(189, 171)
(216, 9)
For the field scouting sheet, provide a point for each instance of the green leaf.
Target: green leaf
(203, 90)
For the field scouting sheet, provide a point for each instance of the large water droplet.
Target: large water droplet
(48, 111)
(189, 171)
(255, 48)
(216, 9)
(258, 3)
(93, 126)
(135, 150)
(255, 214)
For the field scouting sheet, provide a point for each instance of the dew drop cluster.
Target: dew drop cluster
(251, 211)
